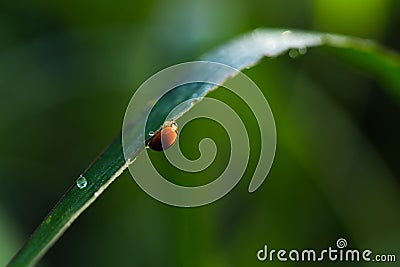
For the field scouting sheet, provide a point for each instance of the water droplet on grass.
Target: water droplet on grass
(286, 33)
(303, 50)
(81, 182)
(293, 53)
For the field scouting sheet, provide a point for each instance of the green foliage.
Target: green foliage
(241, 53)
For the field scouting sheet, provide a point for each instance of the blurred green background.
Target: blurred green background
(69, 68)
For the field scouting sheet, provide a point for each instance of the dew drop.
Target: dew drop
(293, 53)
(303, 50)
(81, 182)
(151, 133)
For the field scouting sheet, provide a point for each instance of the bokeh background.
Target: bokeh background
(69, 68)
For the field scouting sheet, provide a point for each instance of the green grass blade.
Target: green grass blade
(108, 166)
(241, 53)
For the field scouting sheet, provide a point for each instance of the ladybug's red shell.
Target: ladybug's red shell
(164, 138)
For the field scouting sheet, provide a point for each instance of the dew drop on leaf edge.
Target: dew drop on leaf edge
(303, 50)
(81, 182)
(293, 53)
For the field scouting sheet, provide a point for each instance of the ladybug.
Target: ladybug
(165, 137)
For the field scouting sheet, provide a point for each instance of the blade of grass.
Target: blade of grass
(240, 53)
